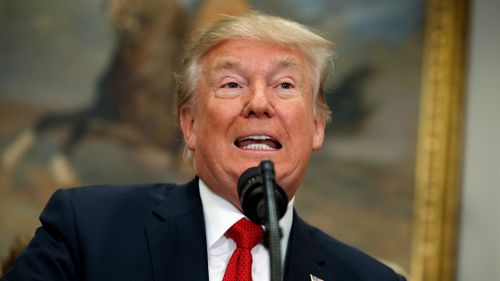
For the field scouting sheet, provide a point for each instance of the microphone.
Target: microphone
(251, 189)
(265, 202)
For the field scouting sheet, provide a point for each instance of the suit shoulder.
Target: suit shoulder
(352, 261)
(100, 201)
(104, 193)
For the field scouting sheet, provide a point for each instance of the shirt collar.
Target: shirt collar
(220, 215)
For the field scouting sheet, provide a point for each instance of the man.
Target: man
(251, 89)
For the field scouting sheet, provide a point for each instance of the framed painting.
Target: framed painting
(82, 103)
(387, 178)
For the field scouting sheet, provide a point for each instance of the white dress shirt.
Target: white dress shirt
(220, 215)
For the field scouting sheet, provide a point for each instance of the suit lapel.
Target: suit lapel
(304, 258)
(177, 241)
(176, 236)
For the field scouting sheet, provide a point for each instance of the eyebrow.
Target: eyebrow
(286, 62)
(226, 63)
(231, 63)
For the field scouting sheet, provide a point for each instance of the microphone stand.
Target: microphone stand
(273, 231)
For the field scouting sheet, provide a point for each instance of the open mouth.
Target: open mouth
(258, 142)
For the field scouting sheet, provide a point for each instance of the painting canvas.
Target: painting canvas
(59, 60)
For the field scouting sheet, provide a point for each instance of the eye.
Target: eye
(286, 88)
(286, 85)
(231, 85)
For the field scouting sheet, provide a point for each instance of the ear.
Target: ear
(187, 122)
(319, 132)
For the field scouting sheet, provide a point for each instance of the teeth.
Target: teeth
(261, 137)
(258, 142)
(258, 146)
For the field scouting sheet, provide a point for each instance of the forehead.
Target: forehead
(244, 53)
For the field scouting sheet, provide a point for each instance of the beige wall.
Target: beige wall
(479, 257)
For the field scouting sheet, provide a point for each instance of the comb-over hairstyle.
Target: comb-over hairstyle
(257, 26)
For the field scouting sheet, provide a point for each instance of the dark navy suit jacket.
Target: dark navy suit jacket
(157, 232)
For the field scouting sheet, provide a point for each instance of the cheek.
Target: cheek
(223, 110)
(217, 118)
(300, 121)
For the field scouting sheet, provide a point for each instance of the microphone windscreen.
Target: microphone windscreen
(246, 176)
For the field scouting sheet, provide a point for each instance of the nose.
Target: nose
(258, 103)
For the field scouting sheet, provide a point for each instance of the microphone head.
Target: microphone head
(247, 177)
(252, 195)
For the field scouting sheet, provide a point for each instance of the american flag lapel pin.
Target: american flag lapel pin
(314, 278)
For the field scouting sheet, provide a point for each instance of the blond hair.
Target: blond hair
(255, 25)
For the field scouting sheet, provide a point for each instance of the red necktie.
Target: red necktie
(246, 234)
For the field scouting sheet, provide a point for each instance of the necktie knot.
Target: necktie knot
(245, 233)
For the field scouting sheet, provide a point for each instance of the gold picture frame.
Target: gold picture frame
(439, 148)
